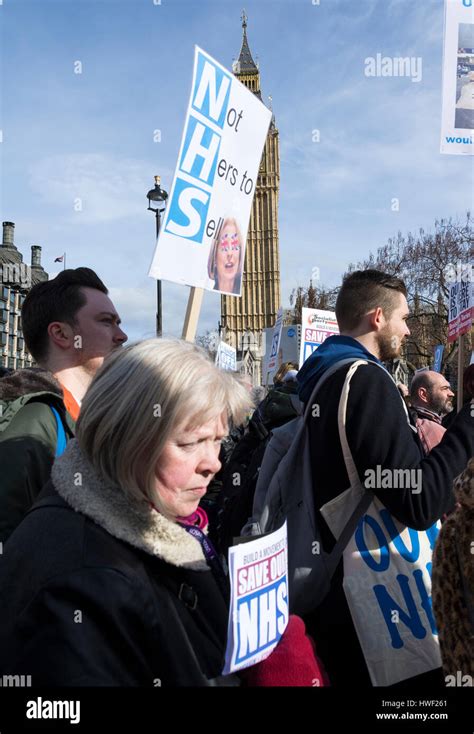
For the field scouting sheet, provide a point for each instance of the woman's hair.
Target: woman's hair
(283, 370)
(212, 261)
(141, 395)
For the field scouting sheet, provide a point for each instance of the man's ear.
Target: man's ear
(376, 319)
(423, 394)
(61, 334)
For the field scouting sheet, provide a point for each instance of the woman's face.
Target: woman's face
(228, 256)
(188, 463)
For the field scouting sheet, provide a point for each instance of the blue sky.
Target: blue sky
(90, 136)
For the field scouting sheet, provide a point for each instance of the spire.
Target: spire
(245, 63)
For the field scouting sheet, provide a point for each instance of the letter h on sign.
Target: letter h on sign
(188, 209)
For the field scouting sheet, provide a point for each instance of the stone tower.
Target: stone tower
(16, 279)
(243, 319)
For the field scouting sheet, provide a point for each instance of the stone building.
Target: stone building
(16, 279)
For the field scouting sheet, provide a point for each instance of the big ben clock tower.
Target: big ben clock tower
(245, 318)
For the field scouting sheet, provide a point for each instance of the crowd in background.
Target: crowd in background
(119, 499)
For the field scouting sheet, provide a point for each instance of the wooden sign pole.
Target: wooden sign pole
(192, 313)
(460, 371)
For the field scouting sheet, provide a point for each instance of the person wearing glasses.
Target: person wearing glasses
(226, 258)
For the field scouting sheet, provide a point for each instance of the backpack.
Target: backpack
(9, 409)
(285, 492)
(241, 473)
(239, 480)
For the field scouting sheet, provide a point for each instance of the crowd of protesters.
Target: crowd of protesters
(117, 504)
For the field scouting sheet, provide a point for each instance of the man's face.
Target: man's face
(439, 395)
(390, 338)
(97, 330)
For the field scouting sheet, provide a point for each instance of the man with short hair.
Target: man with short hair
(70, 325)
(430, 399)
(379, 633)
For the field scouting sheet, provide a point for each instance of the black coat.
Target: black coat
(378, 434)
(82, 607)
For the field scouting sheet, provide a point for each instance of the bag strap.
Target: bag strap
(322, 380)
(297, 405)
(62, 439)
(341, 422)
(367, 495)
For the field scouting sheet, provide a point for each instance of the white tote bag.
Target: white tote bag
(387, 581)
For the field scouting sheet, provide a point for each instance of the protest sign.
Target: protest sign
(317, 325)
(461, 301)
(288, 349)
(259, 599)
(387, 583)
(457, 117)
(272, 361)
(226, 357)
(202, 240)
(438, 357)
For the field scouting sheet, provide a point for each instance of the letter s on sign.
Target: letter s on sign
(282, 604)
(242, 581)
(186, 197)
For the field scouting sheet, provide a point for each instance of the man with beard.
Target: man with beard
(70, 325)
(430, 399)
(352, 637)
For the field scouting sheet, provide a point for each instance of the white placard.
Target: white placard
(457, 117)
(259, 599)
(316, 326)
(202, 239)
(226, 357)
(275, 341)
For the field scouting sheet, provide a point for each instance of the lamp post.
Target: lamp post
(159, 196)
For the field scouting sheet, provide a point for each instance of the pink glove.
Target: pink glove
(292, 663)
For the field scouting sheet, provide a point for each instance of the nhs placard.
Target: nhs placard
(203, 236)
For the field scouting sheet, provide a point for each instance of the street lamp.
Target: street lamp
(159, 196)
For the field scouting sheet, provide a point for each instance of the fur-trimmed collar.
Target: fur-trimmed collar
(28, 380)
(121, 515)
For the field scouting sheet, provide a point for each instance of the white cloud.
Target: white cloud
(99, 186)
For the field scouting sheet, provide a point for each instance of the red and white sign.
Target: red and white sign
(316, 326)
(461, 303)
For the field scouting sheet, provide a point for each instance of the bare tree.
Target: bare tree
(426, 262)
(312, 297)
(209, 341)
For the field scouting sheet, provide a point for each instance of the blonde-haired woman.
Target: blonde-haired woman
(226, 258)
(110, 579)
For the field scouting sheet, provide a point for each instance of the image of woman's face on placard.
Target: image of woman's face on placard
(227, 258)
